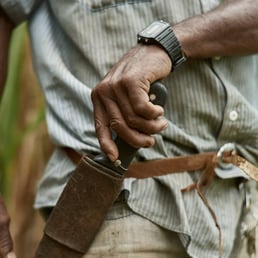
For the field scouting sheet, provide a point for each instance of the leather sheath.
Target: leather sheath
(80, 211)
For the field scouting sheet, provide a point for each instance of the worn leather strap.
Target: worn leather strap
(188, 163)
(167, 166)
(158, 167)
(243, 164)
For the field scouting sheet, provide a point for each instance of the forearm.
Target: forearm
(230, 29)
(6, 28)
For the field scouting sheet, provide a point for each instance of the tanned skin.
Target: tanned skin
(230, 29)
(120, 100)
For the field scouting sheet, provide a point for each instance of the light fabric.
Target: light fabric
(125, 234)
(210, 102)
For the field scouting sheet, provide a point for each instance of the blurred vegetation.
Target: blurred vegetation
(11, 134)
(24, 145)
(9, 108)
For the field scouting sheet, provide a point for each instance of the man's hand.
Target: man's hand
(121, 101)
(6, 244)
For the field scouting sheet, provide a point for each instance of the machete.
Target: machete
(91, 190)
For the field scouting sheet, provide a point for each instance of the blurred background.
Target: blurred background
(24, 145)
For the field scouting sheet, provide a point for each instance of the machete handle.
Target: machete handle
(158, 96)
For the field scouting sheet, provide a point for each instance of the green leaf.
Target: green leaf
(9, 108)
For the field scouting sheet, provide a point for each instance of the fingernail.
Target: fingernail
(11, 255)
(165, 126)
(165, 121)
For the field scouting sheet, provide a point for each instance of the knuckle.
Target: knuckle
(107, 83)
(126, 79)
(98, 125)
(98, 89)
(139, 108)
(93, 94)
(115, 124)
(132, 121)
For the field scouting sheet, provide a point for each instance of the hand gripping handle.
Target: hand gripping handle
(158, 96)
(86, 199)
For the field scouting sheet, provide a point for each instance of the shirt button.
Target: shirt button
(233, 115)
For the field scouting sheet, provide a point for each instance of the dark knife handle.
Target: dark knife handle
(158, 96)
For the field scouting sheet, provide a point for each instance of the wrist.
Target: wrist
(161, 34)
(155, 61)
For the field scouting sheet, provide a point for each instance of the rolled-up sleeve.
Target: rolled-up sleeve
(19, 10)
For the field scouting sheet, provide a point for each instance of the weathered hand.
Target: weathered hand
(6, 244)
(121, 101)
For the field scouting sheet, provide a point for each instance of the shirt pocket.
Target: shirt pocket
(101, 5)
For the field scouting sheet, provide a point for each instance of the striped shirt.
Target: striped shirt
(211, 102)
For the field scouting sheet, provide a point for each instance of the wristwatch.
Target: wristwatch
(160, 33)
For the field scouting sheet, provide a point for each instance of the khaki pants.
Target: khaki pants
(124, 234)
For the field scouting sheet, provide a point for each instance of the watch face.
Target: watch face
(154, 29)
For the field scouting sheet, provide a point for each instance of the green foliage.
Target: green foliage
(9, 106)
(10, 132)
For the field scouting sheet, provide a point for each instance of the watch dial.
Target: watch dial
(154, 29)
